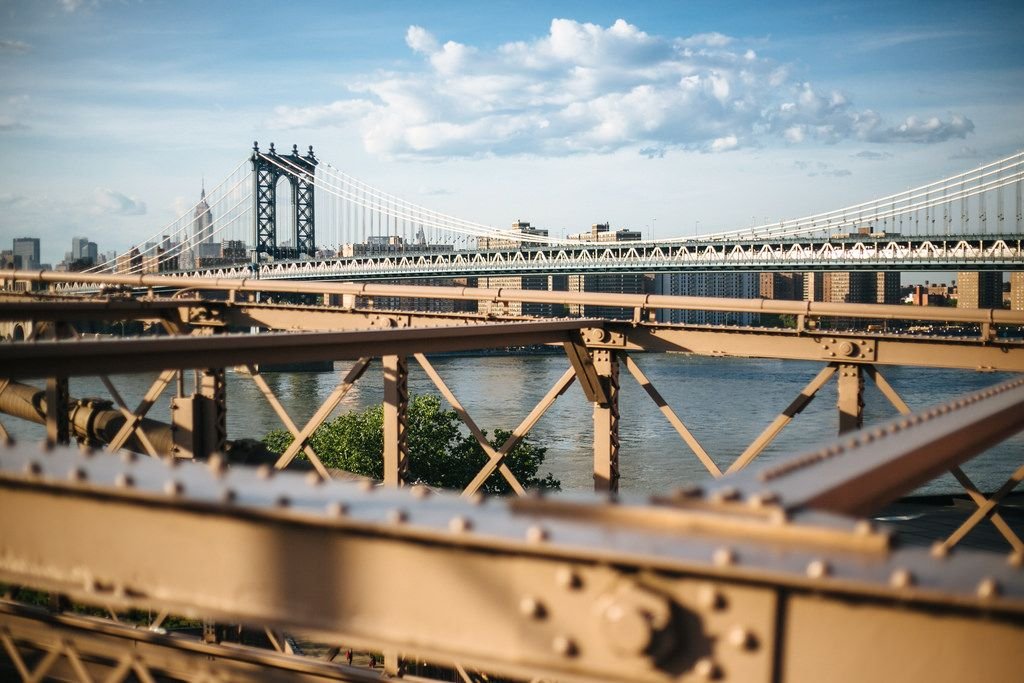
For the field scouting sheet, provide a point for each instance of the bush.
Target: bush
(440, 454)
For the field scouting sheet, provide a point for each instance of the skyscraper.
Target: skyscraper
(202, 223)
(979, 289)
(26, 252)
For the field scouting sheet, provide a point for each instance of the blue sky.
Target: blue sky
(678, 115)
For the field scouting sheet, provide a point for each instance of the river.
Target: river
(725, 402)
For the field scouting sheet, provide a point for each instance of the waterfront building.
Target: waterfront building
(606, 283)
(785, 286)
(543, 283)
(1017, 291)
(980, 289)
(728, 285)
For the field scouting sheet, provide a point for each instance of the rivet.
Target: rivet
(988, 588)
(710, 598)
(688, 491)
(741, 638)
(725, 494)
(264, 471)
(939, 549)
(366, 485)
(282, 501)
(763, 499)
(564, 646)
(218, 466)
(476, 498)
(337, 509)
(398, 516)
(77, 474)
(536, 534)
(460, 524)
(128, 457)
(724, 557)
(86, 452)
(314, 479)
(707, 669)
(124, 481)
(228, 495)
(33, 468)
(530, 607)
(568, 578)
(818, 569)
(1016, 559)
(420, 492)
(173, 487)
(901, 578)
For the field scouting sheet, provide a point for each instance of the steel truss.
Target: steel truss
(755, 576)
(267, 171)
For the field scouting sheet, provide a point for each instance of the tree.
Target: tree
(440, 454)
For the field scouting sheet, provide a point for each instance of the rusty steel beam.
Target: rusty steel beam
(630, 301)
(573, 590)
(91, 357)
(875, 466)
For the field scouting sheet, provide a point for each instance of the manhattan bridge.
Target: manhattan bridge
(293, 216)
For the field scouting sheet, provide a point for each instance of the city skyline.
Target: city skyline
(684, 118)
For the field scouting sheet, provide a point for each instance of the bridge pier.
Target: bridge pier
(606, 422)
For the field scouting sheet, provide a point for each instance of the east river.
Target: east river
(725, 402)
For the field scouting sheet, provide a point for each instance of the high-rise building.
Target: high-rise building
(786, 286)
(980, 289)
(544, 283)
(1017, 290)
(202, 223)
(887, 287)
(727, 285)
(606, 283)
(26, 252)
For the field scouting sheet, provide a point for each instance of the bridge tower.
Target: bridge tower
(267, 169)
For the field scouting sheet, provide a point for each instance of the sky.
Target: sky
(666, 117)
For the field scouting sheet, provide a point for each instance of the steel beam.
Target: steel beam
(557, 589)
(91, 357)
(870, 468)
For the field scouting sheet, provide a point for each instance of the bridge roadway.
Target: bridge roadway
(855, 252)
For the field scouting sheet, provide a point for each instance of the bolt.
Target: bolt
(863, 527)
(77, 474)
(939, 550)
(724, 557)
(567, 578)
(460, 524)
(228, 495)
(564, 646)
(33, 468)
(264, 471)
(336, 509)
(988, 588)
(173, 487)
(128, 457)
(1016, 559)
(366, 486)
(398, 516)
(536, 534)
(282, 501)
(710, 598)
(725, 494)
(707, 669)
(217, 465)
(818, 569)
(901, 578)
(124, 481)
(530, 607)
(741, 638)
(313, 479)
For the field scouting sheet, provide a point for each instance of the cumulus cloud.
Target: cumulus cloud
(585, 88)
(107, 201)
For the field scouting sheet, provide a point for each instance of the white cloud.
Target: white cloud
(107, 201)
(584, 88)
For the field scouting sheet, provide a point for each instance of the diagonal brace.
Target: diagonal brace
(285, 418)
(323, 412)
(792, 410)
(672, 418)
(135, 419)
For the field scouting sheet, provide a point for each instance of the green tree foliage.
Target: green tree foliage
(440, 454)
